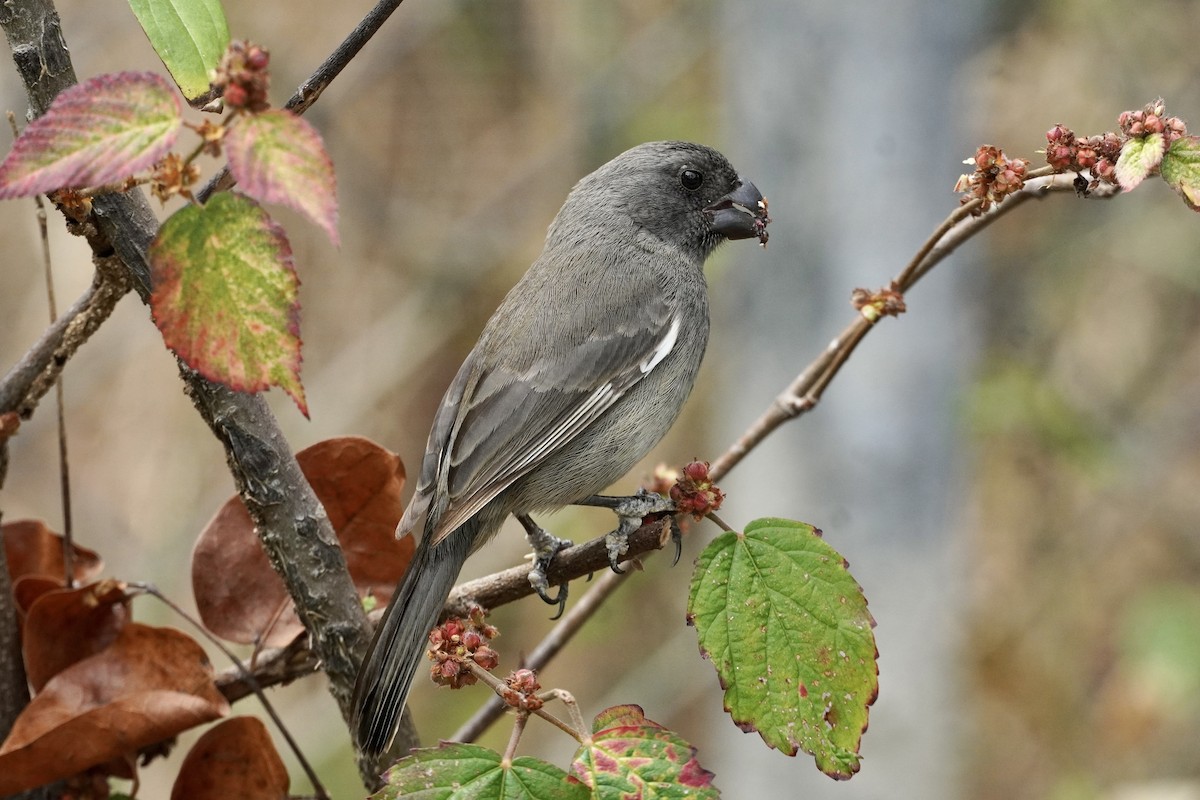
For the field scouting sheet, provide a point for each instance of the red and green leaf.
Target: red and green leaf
(631, 756)
(225, 295)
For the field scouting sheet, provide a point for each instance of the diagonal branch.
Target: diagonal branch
(803, 394)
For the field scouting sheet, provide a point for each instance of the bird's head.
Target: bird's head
(687, 195)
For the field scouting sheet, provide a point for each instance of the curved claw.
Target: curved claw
(677, 540)
(537, 580)
(545, 547)
(562, 600)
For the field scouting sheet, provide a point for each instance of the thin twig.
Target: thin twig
(247, 676)
(803, 394)
(515, 737)
(64, 470)
(568, 700)
(307, 92)
(499, 686)
(719, 522)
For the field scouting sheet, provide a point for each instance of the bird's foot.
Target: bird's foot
(631, 512)
(545, 547)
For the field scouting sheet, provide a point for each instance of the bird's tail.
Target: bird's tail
(402, 638)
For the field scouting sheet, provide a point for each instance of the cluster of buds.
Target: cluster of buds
(1152, 119)
(694, 492)
(521, 689)
(995, 177)
(242, 77)
(457, 641)
(172, 175)
(1065, 151)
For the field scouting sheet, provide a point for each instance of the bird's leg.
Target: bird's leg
(545, 546)
(630, 512)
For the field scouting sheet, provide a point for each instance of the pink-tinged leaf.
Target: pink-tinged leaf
(1181, 169)
(277, 157)
(1138, 160)
(97, 132)
(631, 756)
(225, 295)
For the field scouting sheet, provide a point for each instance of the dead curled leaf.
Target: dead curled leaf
(235, 758)
(64, 626)
(149, 685)
(239, 595)
(33, 549)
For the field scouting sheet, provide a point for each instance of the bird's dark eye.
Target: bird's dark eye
(691, 179)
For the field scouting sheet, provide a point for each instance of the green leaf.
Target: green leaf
(1181, 169)
(278, 157)
(788, 631)
(189, 36)
(462, 771)
(1139, 158)
(97, 132)
(631, 756)
(225, 295)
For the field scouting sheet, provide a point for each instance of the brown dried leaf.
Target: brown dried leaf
(237, 592)
(67, 625)
(234, 759)
(151, 684)
(34, 549)
(28, 588)
(239, 595)
(359, 483)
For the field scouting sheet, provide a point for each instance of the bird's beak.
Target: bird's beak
(741, 214)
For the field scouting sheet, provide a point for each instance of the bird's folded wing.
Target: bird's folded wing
(511, 419)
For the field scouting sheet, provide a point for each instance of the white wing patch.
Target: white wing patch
(662, 350)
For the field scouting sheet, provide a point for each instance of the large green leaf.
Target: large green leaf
(460, 771)
(788, 630)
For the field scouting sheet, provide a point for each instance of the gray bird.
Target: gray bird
(579, 373)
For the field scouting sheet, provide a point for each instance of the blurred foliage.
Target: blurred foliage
(1082, 652)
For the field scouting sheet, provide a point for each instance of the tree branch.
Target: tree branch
(292, 524)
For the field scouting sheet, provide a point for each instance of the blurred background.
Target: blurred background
(1011, 468)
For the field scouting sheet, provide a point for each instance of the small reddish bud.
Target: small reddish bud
(524, 680)
(486, 657)
(1060, 133)
(235, 95)
(695, 493)
(1059, 156)
(257, 58)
